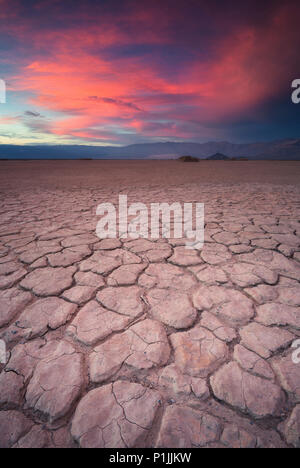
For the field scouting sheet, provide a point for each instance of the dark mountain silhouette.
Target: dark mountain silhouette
(275, 150)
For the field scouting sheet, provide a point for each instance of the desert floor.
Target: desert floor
(139, 343)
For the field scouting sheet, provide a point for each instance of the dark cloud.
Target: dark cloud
(32, 114)
(118, 102)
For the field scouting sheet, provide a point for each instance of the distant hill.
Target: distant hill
(274, 150)
(218, 157)
(188, 159)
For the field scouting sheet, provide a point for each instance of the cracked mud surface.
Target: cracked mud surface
(140, 343)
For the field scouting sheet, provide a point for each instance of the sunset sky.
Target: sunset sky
(120, 72)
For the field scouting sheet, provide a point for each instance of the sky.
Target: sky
(119, 72)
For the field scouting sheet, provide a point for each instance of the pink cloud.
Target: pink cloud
(98, 92)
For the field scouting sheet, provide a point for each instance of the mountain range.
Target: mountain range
(275, 150)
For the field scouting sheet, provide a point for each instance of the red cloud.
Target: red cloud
(101, 93)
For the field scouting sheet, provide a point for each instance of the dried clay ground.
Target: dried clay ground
(140, 343)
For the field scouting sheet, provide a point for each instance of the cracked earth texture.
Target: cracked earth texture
(140, 343)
